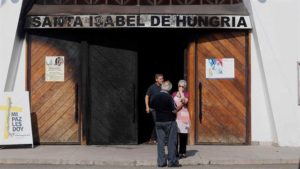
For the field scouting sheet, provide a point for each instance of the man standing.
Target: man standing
(166, 126)
(152, 90)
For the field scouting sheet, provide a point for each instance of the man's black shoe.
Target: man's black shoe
(174, 165)
(182, 156)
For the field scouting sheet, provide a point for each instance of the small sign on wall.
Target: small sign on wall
(219, 68)
(55, 68)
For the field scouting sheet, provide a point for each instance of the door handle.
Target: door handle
(200, 102)
(134, 103)
(76, 103)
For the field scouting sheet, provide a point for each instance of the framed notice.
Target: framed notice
(55, 68)
(219, 68)
(15, 119)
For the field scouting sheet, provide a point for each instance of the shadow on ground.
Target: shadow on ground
(190, 153)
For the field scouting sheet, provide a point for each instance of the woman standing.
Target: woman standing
(183, 117)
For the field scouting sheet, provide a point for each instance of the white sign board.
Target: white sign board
(55, 68)
(219, 68)
(103, 21)
(15, 120)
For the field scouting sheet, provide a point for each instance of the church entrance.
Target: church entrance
(97, 98)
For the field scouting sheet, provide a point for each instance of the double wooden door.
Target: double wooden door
(221, 104)
(98, 91)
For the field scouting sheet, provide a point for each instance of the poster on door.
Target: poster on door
(15, 119)
(55, 68)
(219, 68)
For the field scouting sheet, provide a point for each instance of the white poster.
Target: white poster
(15, 119)
(219, 68)
(55, 68)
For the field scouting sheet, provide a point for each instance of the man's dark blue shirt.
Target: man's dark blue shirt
(152, 90)
(164, 106)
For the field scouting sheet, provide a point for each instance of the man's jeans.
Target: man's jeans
(154, 135)
(166, 131)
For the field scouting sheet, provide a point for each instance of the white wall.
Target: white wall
(13, 62)
(275, 52)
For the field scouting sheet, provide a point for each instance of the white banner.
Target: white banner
(15, 119)
(219, 68)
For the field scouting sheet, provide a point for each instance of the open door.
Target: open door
(222, 103)
(112, 91)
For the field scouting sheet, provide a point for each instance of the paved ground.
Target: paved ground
(145, 155)
(274, 166)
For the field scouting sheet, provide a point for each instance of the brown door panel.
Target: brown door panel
(54, 105)
(222, 105)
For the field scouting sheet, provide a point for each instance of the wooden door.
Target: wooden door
(112, 84)
(222, 103)
(54, 104)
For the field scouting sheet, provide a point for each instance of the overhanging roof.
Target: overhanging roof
(44, 10)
